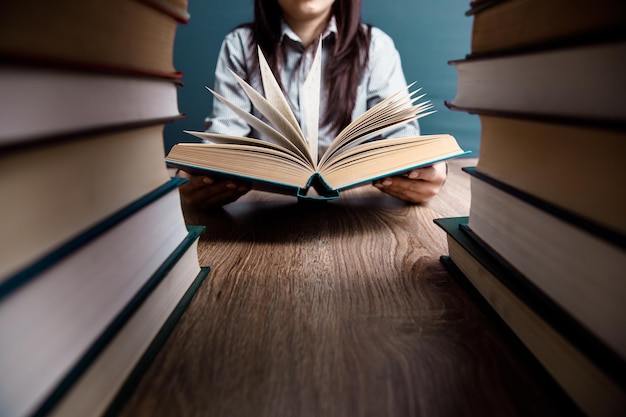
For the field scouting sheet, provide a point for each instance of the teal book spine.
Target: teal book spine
(555, 316)
(114, 327)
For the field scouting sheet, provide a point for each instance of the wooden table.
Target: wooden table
(337, 309)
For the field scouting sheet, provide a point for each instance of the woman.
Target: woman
(361, 66)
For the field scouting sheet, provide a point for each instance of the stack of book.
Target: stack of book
(96, 261)
(545, 239)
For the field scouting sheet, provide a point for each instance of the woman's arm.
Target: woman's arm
(385, 78)
(233, 56)
(204, 191)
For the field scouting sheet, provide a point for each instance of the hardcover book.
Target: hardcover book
(108, 372)
(288, 163)
(537, 156)
(68, 298)
(514, 25)
(589, 372)
(575, 262)
(72, 184)
(41, 103)
(577, 82)
(117, 36)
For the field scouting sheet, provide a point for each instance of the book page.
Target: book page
(274, 95)
(278, 120)
(244, 161)
(260, 125)
(219, 138)
(391, 156)
(396, 109)
(311, 101)
(384, 120)
(371, 115)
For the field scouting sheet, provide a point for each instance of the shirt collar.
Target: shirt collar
(287, 32)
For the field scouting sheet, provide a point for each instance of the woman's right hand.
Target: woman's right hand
(205, 192)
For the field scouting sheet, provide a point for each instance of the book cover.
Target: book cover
(118, 36)
(518, 25)
(509, 147)
(45, 103)
(129, 343)
(577, 263)
(70, 296)
(590, 372)
(582, 82)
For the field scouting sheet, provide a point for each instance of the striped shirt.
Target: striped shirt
(382, 77)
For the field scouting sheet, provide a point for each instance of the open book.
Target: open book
(287, 162)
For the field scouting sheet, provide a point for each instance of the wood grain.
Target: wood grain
(335, 309)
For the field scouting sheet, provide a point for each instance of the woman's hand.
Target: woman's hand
(205, 192)
(418, 186)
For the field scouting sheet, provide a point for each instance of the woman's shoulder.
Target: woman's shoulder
(380, 40)
(237, 46)
(241, 36)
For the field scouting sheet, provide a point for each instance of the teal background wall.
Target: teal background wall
(427, 34)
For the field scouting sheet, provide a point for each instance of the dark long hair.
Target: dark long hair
(345, 62)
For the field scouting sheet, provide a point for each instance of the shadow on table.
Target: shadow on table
(273, 218)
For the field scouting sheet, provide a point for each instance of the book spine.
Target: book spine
(565, 324)
(157, 343)
(123, 317)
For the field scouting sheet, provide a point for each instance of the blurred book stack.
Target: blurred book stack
(96, 261)
(545, 239)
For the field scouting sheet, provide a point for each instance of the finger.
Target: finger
(402, 185)
(425, 173)
(200, 180)
(410, 190)
(182, 174)
(436, 172)
(383, 182)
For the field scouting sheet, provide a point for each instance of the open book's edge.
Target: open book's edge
(402, 171)
(316, 188)
(253, 182)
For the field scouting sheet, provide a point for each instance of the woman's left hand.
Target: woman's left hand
(417, 186)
